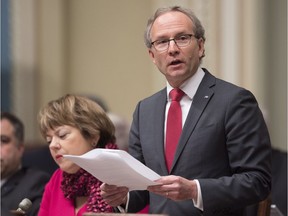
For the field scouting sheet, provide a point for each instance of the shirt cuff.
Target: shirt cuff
(123, 209)
(199, 203)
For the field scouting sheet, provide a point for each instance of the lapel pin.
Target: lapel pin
(206, 96)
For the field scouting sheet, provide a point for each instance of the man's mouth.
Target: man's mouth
(175, 62)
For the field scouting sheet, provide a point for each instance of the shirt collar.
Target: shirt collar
(190, 86)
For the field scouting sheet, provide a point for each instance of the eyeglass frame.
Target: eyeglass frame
(174, 39)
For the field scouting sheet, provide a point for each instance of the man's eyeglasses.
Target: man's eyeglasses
(180, 40)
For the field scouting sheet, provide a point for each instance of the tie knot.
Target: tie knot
(176, 94)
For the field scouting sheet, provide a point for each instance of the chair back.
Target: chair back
(264, 207)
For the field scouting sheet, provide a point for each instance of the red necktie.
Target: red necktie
(173, 126)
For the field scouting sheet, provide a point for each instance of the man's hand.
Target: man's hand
(175, 188)
(113, 195)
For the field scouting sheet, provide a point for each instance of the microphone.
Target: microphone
(23, 207)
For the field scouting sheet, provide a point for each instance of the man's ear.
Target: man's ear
(21, 148)
(201, 47)
(151, 54)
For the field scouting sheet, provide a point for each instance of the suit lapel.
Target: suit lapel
(200, 102)
(159, 120)
(11, 183)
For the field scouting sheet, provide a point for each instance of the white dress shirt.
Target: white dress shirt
(189, 87)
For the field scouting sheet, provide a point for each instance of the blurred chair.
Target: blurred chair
(264, 207)
(38, 156)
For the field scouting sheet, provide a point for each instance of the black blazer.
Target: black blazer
(26, 183)
(224, 144)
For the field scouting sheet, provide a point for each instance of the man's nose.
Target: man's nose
(173, 47)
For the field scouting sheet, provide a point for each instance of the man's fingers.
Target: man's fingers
(113, 194)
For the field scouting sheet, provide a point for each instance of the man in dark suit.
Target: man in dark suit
(17, 182)
(222, 161)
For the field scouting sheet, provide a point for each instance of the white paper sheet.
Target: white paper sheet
(116, 167)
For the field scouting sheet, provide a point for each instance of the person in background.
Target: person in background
(222, 158)
(17, 182)
(74, 125)
(122, 128)
(121, 124)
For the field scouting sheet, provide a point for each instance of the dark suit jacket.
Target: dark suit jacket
(26, 183)
(224, 144)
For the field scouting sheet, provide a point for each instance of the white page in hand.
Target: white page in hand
(116, 167)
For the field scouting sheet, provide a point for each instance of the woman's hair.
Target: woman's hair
(81, 113)
(197, 26)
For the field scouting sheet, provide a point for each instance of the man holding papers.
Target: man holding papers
(221, 163)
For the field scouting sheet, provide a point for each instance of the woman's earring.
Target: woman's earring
(94, 145)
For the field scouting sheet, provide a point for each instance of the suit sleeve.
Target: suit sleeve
(138, 199)
(45, 203)
(39, 180)
(249, 154)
